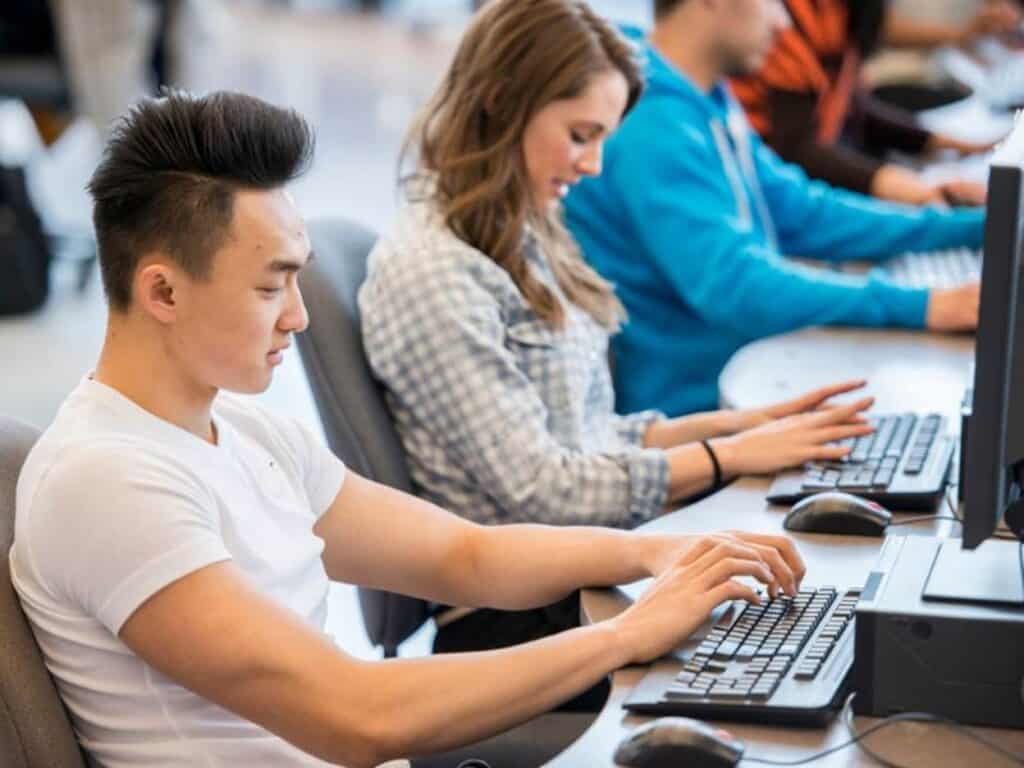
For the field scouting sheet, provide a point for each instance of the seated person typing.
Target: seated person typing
(173, 544)
(693, 216)
(490, 334)
(808, 102)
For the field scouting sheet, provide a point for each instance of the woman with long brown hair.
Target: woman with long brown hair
(490, 333)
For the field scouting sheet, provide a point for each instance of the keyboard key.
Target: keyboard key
(807, 673)
(732, 694)
(681, 692)
(901, 436)
(862, 449)
(726, 650)
(883, 435)
(746, 652)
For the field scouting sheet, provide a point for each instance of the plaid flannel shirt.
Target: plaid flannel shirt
(502, 419)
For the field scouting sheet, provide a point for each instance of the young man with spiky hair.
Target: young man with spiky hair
(693, 218)
(173, 545)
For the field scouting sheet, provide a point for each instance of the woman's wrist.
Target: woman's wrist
(725, 451)
(716, 466)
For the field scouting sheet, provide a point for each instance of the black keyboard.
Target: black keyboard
(786, 661)
(903, 464)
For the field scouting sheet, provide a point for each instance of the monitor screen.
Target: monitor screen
(994, 446)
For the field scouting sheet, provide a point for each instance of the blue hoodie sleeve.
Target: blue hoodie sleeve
(815, 220)
(681, 210)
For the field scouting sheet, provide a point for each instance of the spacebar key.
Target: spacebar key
(681, 692)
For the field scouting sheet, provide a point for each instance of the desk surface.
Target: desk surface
(907, 371)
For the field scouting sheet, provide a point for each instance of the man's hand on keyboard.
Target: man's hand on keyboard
(778, 552)
(793, 440)
(698, 573)
(955, 309)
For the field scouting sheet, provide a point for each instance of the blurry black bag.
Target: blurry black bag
(24, 251)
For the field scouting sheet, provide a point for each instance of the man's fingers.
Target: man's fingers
(704, 545)
(783, 574)
(727, 549)
(730, 590)
(731, 567)
(784, 545)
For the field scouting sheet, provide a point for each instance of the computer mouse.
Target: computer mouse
(836, 512)
(669, 742)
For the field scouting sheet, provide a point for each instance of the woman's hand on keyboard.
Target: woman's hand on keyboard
(702, 574)
(812, 401)
(955, 309)
(793, 440)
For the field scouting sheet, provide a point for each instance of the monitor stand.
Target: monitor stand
(988, 575)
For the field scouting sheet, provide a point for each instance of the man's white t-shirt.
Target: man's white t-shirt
(114, 504)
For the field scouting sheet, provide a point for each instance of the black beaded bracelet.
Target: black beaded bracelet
(714, 463)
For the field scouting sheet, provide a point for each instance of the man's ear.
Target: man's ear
(156, 291)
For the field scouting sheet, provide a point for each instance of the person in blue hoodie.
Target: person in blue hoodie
(693, 218)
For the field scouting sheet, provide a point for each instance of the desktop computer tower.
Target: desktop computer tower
(941, 630)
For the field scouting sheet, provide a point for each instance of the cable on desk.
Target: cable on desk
(1020, 556)
(999, 535)
(906, 717)
(923, 519)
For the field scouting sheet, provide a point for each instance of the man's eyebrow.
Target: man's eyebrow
(287, 265)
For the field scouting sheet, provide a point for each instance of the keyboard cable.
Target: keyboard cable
(857, 738)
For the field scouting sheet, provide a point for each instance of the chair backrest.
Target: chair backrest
(350, 401)
(35, 731)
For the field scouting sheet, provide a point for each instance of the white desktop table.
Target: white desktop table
(908, 371)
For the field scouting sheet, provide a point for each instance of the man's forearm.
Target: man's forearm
(516, 567)
(486, 692)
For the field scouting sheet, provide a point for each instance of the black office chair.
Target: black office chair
(350, 402)
(359, 430)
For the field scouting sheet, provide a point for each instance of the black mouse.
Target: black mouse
(670, 742)
(835, 512)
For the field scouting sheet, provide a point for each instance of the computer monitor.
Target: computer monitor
(994, 442)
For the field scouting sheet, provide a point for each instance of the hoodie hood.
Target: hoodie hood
(665, 80)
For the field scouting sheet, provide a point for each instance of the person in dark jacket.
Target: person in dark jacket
(808, 102)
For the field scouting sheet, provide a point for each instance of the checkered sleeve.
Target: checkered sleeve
(632, 428)
(435, 335)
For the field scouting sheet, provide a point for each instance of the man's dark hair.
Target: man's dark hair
(170, 172)
(664, 7)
